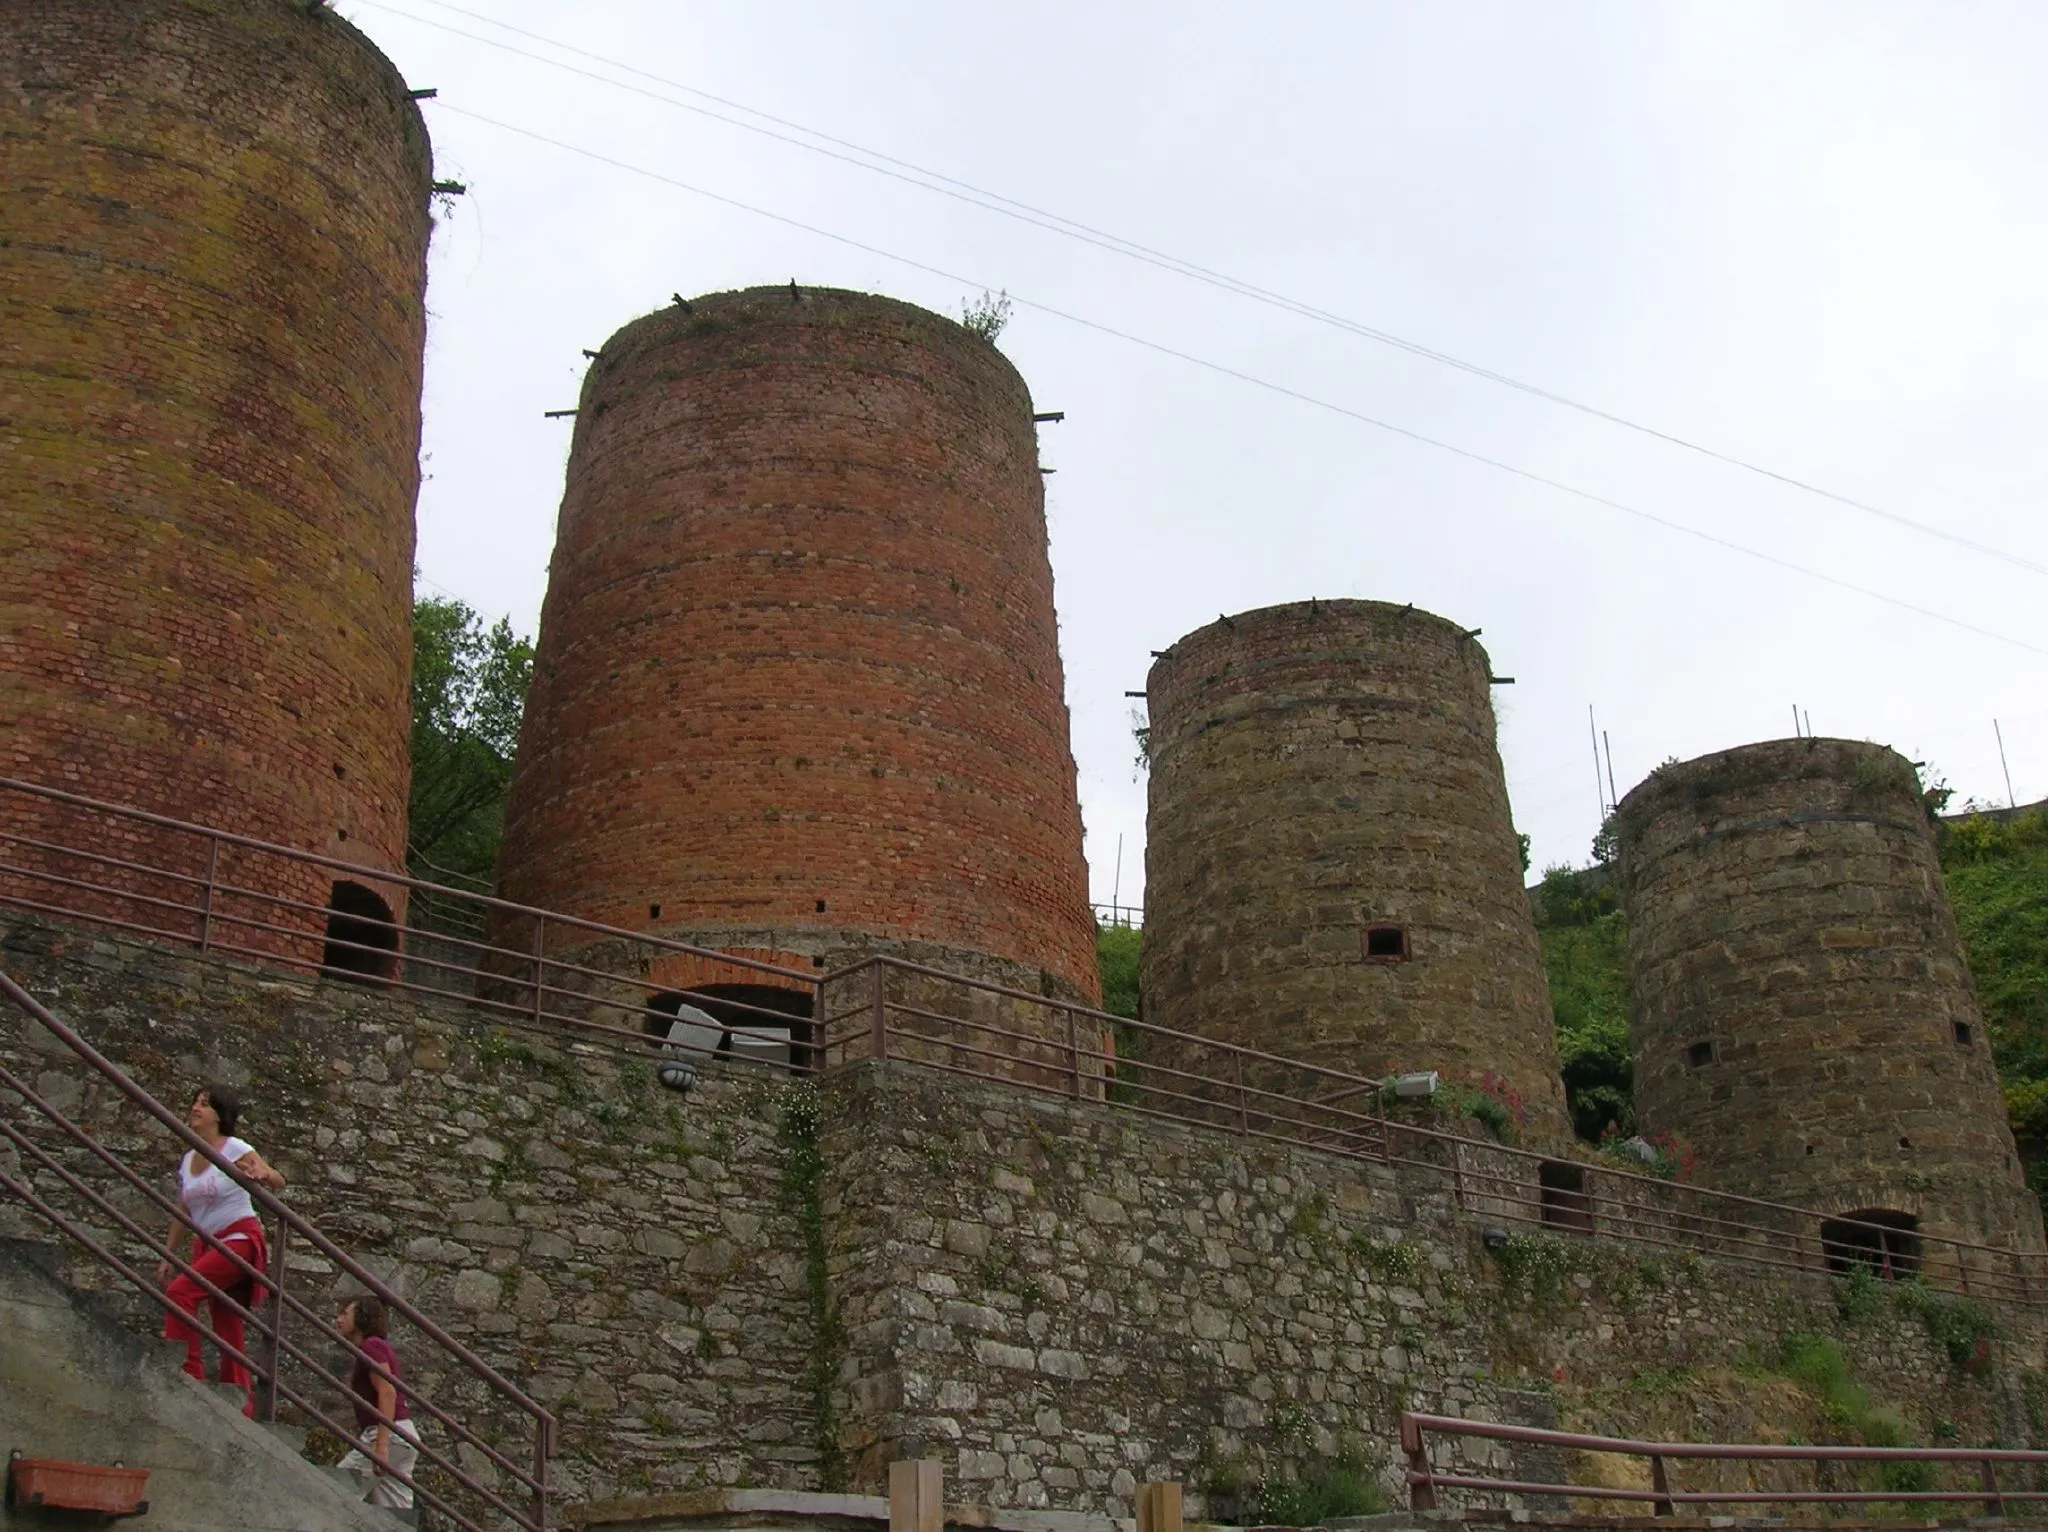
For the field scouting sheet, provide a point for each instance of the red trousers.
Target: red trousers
(246, 1240)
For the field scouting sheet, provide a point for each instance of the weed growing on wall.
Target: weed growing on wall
(1962, 1327)
(797, 1129)
(1818, 1363)
(1341, 1486)
(1394, 1260)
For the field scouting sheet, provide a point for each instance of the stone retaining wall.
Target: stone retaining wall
(761, 1284)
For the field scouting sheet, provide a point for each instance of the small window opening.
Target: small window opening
(362, 938)
(341, 834)
(1905, 1143)
(762, 1022)
(340, 772)
(1809, 1148)
(654, 912)
(818, 962)
(1963, 1034)
(1386, 944)
(1881, 1240)
(821, 906)
(1562, 1198)
(1699, 1055)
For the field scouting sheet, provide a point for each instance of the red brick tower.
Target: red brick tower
(211, 332)
(798, 691)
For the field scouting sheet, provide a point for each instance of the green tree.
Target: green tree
(1585, 957)
(469, 686)
(1116, 959)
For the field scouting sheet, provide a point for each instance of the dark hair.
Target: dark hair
(371, 1316)
(227, 1106)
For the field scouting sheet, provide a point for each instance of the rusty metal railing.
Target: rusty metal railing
(232, 896)
(286, 1326)
(887, 1008)
(609, 987)
(1424, 1480)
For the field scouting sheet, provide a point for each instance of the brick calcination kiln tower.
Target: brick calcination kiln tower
(798, 690)
(1802, 1012)
(211, 330)
(1331, 868)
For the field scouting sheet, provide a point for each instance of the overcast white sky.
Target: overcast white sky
(1812, 237)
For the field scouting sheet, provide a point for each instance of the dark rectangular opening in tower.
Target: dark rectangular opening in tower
(1386, 944)
(1963, 1034)
(1699, 1055)
(1563, 1200)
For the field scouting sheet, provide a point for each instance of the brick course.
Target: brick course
(211, 331)
(1786, 910)
(798, 686)
(1316, 769)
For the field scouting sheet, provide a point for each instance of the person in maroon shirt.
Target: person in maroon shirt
(367, 1324)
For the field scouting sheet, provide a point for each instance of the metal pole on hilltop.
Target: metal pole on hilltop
(1613, 797)
(2011, 801)
(1116, 886)
(1599, 787)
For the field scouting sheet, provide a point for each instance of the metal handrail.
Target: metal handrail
(1424, 1480)
(1311, 1104)
(283, 1217)
(1630, 1202)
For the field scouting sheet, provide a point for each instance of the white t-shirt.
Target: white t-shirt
(214, 1201)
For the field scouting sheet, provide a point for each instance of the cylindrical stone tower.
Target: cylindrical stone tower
(797, 691)
(211, 332)
(1331, 870)
(1802, 1012)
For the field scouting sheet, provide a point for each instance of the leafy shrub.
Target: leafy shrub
(1342, 1486)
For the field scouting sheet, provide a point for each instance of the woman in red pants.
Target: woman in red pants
(215, 1204)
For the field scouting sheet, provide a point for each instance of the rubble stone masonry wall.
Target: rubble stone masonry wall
(1802, 1009)
(783, 1286)
(1324, 778)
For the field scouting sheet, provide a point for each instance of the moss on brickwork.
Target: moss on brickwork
(799, 637)
(214, 321)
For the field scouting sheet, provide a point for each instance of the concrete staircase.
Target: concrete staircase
(77, 1383)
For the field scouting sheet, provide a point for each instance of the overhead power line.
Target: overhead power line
(878, 163)
(1267, 384)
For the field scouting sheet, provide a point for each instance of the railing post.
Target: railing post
(543, 1449)
(540, 959)
(1244, 1123)
(1159, 1507)
(273, 1327)
(917, 1496)
(1660, 1481)
(1074, 1050)
(1421, 1489)
(878, 1012)
(206, 898)
(1994, 1501)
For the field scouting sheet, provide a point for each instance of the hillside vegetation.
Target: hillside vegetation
(1997, 878)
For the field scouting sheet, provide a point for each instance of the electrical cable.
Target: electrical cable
(1267, 384)
(878, 163)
